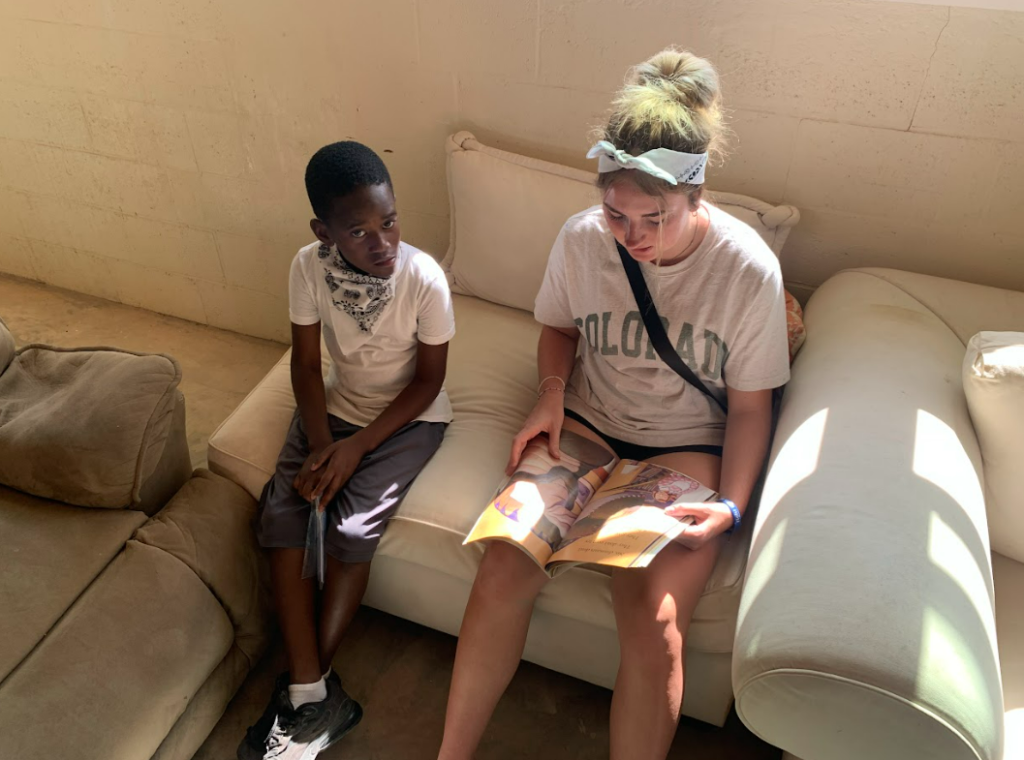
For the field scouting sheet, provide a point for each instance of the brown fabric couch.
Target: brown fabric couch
(127, 626)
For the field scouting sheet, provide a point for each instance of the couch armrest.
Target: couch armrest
(866, 627)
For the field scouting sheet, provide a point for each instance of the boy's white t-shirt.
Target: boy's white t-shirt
(725, 313)
(368, 370)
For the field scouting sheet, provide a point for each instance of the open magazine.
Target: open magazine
(588, 506)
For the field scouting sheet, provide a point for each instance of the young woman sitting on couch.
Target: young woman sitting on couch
(718, 291)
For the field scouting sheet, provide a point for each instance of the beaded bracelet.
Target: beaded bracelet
(541, 389)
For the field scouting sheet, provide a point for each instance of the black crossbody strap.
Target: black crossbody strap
(655, 328)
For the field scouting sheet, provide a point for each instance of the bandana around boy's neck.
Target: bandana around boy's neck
(360, 295)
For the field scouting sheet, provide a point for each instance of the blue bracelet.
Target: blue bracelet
(736, 516)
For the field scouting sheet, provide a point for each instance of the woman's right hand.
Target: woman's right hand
(547, 417)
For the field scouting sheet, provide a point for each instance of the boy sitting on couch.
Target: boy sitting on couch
(356, 445)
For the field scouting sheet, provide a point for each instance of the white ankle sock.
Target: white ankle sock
(304, 693)
(327, 673)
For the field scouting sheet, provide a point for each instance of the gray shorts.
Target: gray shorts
(359, 513)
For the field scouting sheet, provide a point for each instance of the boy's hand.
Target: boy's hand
(334, 466)
(324, 472)
(307, 480)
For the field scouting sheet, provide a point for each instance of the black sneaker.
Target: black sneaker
(254, 745)
(303, 733)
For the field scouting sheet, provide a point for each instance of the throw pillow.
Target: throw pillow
(85, 426)
(993, 374)
(794, 325)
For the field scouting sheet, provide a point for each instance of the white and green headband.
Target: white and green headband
(668, 165)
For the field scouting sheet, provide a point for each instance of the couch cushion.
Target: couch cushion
(114, 675)
(1009, 579)
(207, 707)
(993, 376)
(49, 554)
(85, 426)
(492, 384)
(244, 447)
(208, 526)
(492, 381)
(507, 209)
(6, 347)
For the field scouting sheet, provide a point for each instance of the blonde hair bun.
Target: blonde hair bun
(675, 76)
(671, 100)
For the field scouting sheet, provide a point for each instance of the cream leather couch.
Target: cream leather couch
(125, 630)
(506, 212)
(872, 606)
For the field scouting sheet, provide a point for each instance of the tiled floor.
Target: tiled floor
(397, 669)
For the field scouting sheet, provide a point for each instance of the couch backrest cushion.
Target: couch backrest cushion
(993, 375)
(85, 426)
(506, 211)
(6, 347)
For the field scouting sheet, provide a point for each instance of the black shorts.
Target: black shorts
(358, 515)
(627, 450)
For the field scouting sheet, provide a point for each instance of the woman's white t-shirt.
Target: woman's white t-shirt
(368, 370)
(724, 311)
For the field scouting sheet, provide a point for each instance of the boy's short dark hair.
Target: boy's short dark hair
(338, 169)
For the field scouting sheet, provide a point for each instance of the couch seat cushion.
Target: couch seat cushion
(85, 426)
(208, 527)
(113, 676)
(49, 554)
(492, 380)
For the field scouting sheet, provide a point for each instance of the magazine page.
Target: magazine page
(545, 495)
(625, 524)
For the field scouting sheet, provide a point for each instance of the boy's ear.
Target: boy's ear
(321, 231)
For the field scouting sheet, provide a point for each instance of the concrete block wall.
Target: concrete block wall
(151, 151)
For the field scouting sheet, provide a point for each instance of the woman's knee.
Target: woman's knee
(648, 617)
(507, 572)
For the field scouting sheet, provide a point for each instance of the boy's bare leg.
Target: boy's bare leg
(293, 598)
(344, 587)
(491, 644)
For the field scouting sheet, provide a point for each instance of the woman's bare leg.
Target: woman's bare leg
(492, 638)
(491, 644)
(653, 607)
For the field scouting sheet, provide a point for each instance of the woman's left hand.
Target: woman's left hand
(709, 520)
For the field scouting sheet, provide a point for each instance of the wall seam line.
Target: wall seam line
(928, 70)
